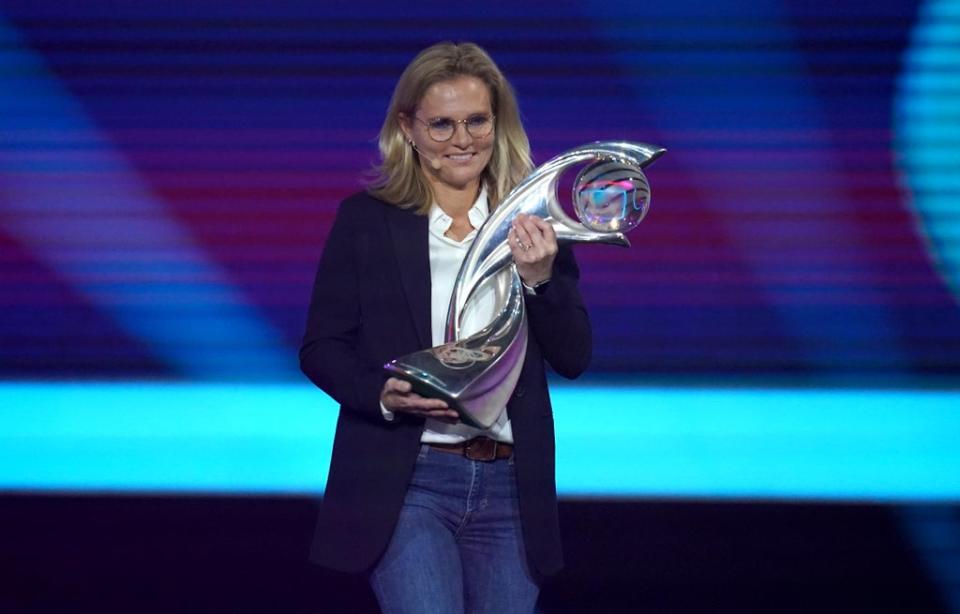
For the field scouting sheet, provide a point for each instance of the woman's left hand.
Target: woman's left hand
(533, 244)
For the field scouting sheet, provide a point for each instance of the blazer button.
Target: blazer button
(518, 391)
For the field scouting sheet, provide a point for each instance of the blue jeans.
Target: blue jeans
(458, 545)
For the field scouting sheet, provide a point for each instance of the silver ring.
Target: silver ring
(521, 245)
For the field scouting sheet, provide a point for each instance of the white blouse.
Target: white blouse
(446, 256)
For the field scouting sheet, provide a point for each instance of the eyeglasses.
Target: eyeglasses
(442, 129)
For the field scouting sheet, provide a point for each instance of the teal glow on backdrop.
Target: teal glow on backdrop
(928, 131)
(837, 444)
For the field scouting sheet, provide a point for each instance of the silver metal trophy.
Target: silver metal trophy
(476, 375)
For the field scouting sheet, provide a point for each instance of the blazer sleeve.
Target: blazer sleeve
(559, 320)
(329, 354)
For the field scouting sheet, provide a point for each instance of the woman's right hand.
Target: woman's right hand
(398, 396)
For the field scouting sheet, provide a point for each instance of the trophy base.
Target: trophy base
(475, 376)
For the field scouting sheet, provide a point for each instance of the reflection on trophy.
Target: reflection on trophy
(476, 375)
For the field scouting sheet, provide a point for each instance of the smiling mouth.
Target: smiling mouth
(460, 157)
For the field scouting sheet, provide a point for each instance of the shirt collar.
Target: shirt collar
(440, 222)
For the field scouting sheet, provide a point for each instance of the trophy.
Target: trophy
(476, 375)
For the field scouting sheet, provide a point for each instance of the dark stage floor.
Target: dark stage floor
(234, 554)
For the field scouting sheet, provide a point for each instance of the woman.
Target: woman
(445, 517)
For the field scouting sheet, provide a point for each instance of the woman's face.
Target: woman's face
(458, 162)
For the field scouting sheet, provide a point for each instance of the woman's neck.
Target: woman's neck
(456, 202)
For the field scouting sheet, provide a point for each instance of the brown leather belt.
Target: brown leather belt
(478, 449)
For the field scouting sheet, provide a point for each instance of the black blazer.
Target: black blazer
(370, 304)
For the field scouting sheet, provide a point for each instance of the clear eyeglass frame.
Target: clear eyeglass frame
(481, 127)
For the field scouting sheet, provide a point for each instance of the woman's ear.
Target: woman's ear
(406, 126)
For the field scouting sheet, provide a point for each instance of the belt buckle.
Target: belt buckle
(481, 449)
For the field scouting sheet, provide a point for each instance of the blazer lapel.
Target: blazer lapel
(408, 233)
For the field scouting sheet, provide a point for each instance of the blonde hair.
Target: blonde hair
(400, 180)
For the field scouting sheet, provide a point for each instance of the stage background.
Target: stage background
(781, 341)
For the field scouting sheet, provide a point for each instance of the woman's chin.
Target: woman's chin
(458, 180)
